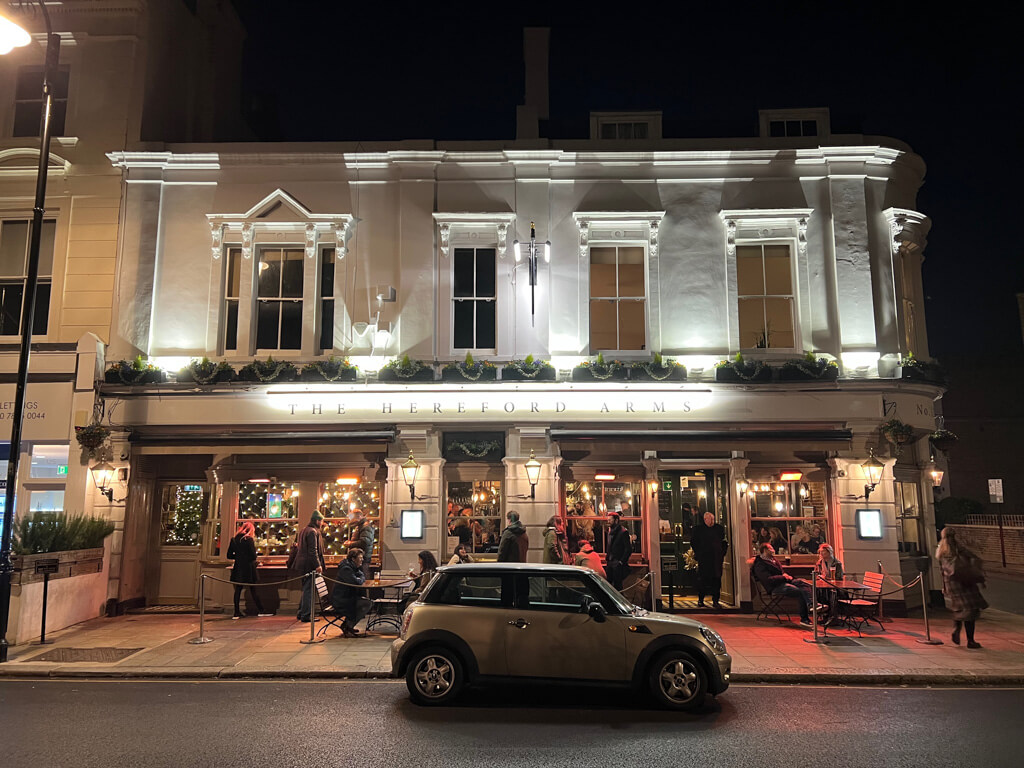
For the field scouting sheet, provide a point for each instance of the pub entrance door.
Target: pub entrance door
(180, 509)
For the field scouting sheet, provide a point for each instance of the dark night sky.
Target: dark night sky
(946, 84)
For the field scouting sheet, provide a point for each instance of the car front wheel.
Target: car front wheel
(677, 680)
(434, 676)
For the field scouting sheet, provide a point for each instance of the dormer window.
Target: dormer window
(625, 126)
(794, 123)
(792, 128)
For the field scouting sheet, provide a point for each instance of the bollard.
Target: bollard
(814, 612)
(312, 612)
(202, 615)
(924, 606)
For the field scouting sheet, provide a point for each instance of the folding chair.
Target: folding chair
(386, 610)
(327, 612)
(770, 604)
(858, 611)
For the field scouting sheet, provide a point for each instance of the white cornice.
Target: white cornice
(200, 161)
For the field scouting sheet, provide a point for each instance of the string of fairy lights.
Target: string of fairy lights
(183, 517)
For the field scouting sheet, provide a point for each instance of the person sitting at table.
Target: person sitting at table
(776, 581)
(802, 543)
(828, 567)
(461, 556)
(588, 558)
(764, 536)
(778, 541)
(346, 597)
(817, 537)
(428, 566)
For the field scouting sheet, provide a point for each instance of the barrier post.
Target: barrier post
(881, 602)
(312, 612)
(924, 607)
(202, 615)
(814, 612)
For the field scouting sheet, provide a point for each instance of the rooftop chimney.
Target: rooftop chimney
(535, 108)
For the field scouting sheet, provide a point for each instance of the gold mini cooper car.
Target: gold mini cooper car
(483, 622)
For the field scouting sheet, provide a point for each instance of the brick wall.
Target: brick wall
(983, 540)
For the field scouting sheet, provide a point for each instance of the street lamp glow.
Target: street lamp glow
(12, 36)
(533, 474)
(409, 471)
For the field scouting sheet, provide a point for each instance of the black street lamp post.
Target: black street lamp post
(28, 312)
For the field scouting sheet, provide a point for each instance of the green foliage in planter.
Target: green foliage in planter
(809, 367)
(943, 439)
(331, 369)
(41, 532)
(528, 368)
(470, 370)
(406, 368)
(206, 371)
(137, 371)
(92, 436)
(269, 370)
(658, 369)
(921, 371)
(896, 432)
(599, 369)
(741, 370)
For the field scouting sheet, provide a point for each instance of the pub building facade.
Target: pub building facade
(417, 253)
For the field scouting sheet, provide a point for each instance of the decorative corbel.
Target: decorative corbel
(311, 241)
(730, 236)
(247, 240)
(445, 229)
(584, 230)
(654, 224)
(801, 235)
(216, 238)
(502, 238)
(340, 230)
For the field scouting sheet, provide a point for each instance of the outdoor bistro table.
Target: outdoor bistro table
(834, 586)
(379, 612)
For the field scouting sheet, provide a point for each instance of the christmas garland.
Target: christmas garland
(206, 371)
(265, 371)
(405, 368)
(529, 367)
(599, 369)
(650, 368)
(471, 371)
(815, 369)
(138, 371)
(476, 450)
(330, 369)
(741, 368)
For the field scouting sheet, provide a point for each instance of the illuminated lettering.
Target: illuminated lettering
(534, 408)
(604, 408)
(437, 408)
(462, 407)
(559, 407)
(629, 408)
(386, 408)
(412, 407)
(483, 407)
(318, 409)
(341, 409)
(292, 407)
(659, 407)
(686, 406)
(509, 407)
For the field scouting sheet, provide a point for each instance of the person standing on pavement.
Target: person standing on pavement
(709, 548)
(514, 542)
(554, 541)
(620, 547)
(962, 575)
(242, 550)
(363, 538)
(309, 558)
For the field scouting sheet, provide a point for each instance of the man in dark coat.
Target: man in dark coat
(309, 558)
(515, 542)
(769, 574)
(620, 547)
(347, 599)
(363, 537)
(709, 548)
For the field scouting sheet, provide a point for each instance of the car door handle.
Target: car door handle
(519, 623)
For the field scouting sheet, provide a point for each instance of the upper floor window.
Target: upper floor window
(327, 261)
(618, 318)
(765, 299)
(279, 298)
(28, 102)
(14, 242)
(625, 125)
(474, 298)
(624, 130)
(778, 128)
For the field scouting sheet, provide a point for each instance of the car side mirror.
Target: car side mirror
(597, 612)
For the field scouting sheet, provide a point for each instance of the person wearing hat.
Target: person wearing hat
(588, 558)
(620, 547)
(309, 558)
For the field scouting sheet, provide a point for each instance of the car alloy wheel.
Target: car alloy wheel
(434, 676)
(678, 680)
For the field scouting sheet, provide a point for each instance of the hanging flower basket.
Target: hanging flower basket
(268, 371)
(461, 373)
(331, 369)
(809, 369)
(206, 371)
(134, 372)
(943, 439)
(406, 370)
(658, 370)
(896, 432)
(739, 371)
(528, 370)
(599, 370)
(92, 437)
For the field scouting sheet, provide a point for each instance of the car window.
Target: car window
(558, 592)
(481, 590)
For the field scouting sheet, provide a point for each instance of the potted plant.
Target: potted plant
(92, 437)
(469, 370)
(137, 371)
(658, 369)
(809, 368)
(206, 371)
(331, 369)
(912, 369)
(943, 439)
(405, 369)
(599, 370)
(739, 371)
(896, 432)
(268, 371)
(528, 369)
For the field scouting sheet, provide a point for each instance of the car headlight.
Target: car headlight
(713, 639)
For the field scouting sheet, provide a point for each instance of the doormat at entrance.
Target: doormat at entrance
(103, 655)
(173, 609)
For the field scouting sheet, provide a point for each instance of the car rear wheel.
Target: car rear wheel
(435, 676)
(677, 680)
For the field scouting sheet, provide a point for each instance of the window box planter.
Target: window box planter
(406, 370)
(135, 372)
(654, 372)
(741, 372)
(927, 372)
(329, 370)
(268, 371)
(612, 372)
(460, 373)
(528, 370)
(808, 370)
(206, 372)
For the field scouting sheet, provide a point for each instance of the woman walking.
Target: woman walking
(962, 576)
(242, 550)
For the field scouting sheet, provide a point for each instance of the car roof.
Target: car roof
(514, 567)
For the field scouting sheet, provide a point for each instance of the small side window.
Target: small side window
(555, 592)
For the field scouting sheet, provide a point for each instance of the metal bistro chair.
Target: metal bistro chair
(386, 610)
(771, 605)
(858, 611)
(327, 612)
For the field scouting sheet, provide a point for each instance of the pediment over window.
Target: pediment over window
(473, 229)
(618, 225)
(764, 223)
(24, 161)
(280, 212)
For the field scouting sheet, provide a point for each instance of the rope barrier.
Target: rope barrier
(890, 578)
(253, 583)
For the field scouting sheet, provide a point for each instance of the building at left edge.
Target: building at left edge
(121, 82)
